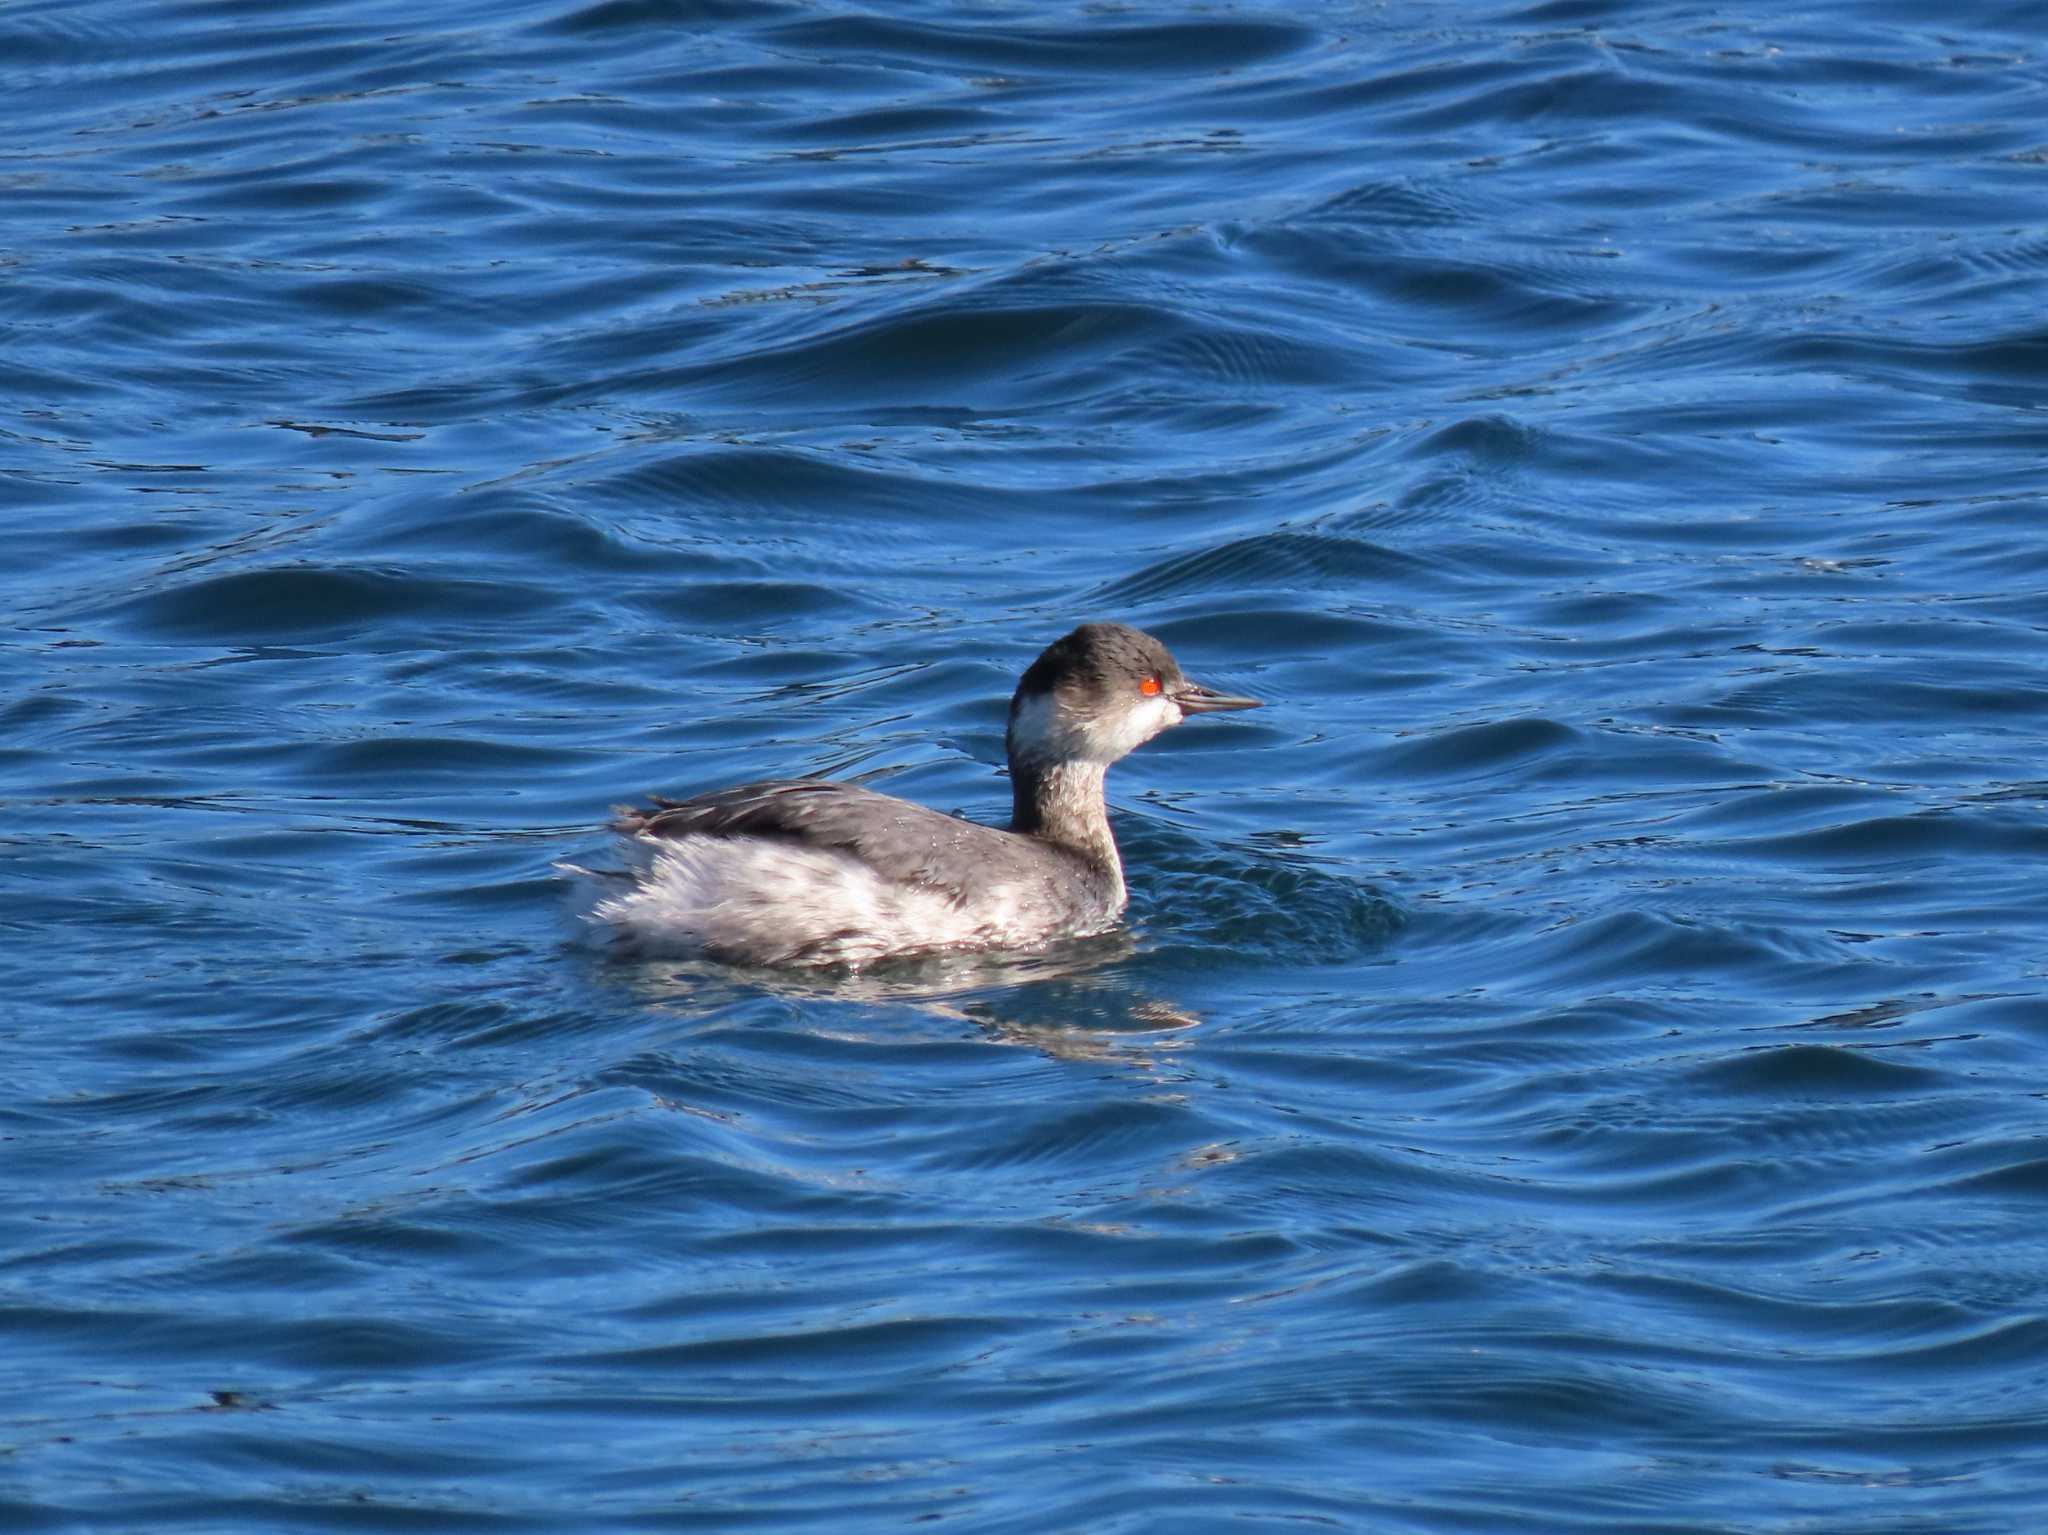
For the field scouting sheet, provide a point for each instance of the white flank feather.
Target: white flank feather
(749, 900)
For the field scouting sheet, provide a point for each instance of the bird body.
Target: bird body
(817, 872)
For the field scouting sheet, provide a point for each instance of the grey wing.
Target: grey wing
(897, 839)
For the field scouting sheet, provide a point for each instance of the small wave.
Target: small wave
(1161, 49)
(1246, 358)
(1468, 751)
(1804, 1071)
(1872, 842)
(1400, 202)
(660, 16)
(1185, 896)
(1269, 560)
(956, 347)
(308, 601)
(728, 479)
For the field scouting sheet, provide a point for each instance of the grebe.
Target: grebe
(812, 872)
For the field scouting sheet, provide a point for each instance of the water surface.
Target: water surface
(1576, 1059)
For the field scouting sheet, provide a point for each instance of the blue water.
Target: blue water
(1577, 1058)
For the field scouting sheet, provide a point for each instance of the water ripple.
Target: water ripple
(1574, 1059)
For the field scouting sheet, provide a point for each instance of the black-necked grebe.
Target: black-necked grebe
(810, 872)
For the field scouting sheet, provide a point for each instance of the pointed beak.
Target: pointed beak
(1193, 698)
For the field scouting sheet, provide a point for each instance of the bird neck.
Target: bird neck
(1061, 802)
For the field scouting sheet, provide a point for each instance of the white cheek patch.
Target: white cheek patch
(1130, 729)
(1045, 735)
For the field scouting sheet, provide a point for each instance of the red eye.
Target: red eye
(1149, 687)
